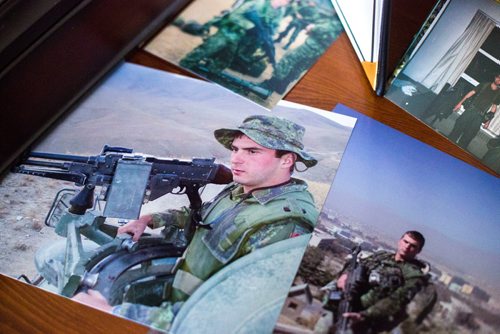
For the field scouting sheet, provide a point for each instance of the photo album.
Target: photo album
(380, 31)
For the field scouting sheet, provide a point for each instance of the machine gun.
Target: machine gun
(126, 181)
(346, 300)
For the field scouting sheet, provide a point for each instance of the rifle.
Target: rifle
(126, 180)
(348, 297)
(265, 34)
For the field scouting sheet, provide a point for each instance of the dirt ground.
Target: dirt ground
(25, 201)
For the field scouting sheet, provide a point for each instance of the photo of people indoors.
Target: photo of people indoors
(451, 79)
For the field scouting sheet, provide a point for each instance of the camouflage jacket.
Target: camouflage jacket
(237, 17)
(393, 284)
(240, 223)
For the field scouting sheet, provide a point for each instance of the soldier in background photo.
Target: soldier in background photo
(296, 25)
(321, 30)
(371, 295)
(260, 47)
(263, 205)
(243, 39)
(480, 105)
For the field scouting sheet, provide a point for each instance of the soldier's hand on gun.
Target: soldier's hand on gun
(354, 286)
(354, 316)
(93, 298)
(135, 227)
(341, 281)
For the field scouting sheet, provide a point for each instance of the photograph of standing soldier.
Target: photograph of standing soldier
(262, 206)
(322, 29)
(244, 36)
(384, 285)
(480, 105)
(296, 25)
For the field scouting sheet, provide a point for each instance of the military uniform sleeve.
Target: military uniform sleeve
(272, 233)
(160, 317)
(497, 99)
(396, 301)
(172, 217)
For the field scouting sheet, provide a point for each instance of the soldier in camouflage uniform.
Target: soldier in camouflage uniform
(394, 279)
(298, 10)
(244, 35)
(321, 32)
(264, 205)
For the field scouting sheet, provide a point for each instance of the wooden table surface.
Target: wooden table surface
(336, 78)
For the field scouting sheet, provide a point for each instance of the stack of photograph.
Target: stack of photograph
(227, 167)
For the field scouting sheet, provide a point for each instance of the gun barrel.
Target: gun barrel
(43, 163)
(57, 156)
(223, 176)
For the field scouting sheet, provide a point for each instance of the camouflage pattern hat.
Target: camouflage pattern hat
(271, 132)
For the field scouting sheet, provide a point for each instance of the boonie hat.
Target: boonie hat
(271, 132)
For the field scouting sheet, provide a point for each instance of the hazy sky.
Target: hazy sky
(393, 182)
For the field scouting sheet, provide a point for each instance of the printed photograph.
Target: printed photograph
(407, 243)
(160, 197)
(451, 80)
(256, 48)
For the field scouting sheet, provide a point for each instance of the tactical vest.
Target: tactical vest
(386, 275)
(233, 227)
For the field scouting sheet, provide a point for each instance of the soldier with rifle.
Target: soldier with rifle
(244, 31)
(321, 30)
(263, 205)
(298, 10)
(372, 293)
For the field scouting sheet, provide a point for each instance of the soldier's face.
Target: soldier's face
(408, 248)
(255, 166)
